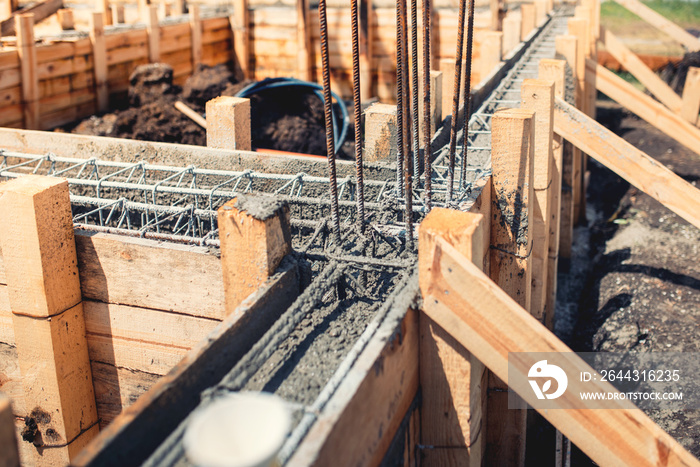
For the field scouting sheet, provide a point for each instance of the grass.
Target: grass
(683, 13)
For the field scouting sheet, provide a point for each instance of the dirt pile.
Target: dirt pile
(287, 119)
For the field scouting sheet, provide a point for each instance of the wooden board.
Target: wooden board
(661, 23)
(7, 333)
(150, 274)
(41, 11)
(691, 96)
(628, 162)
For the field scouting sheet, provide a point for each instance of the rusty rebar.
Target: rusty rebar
(400, 152)
(357, 110)
(402, 115)
(328, 112)
(467, 94)
(455, 100)
(427, 164)
(414, 89)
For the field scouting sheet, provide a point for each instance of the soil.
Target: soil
(638, 264)
(287, 119)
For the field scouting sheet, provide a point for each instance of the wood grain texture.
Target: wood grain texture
(661, 23)
(28, 68)
(690, 107)
(41, 10)
(9, 454)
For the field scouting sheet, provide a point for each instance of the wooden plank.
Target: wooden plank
(491, 49)
(528, 20)
(117, 388)
(216, 35)
(141, 339)
(303, 41)
(555, 72)
(661, 23)
(10, 78)
(452, 418)
(41, 11)
(126, 55)
(11, 382)
(132, 37)
(7, 333)
(11, 114)
(630, 163)
(195, 35)
(9, 455)
(28, 69)
(9, 59)
(150, 274)
(491, 324)
(538, 96)
(65, 19)
(690, 107)
(52, 52)
(511, 32)
(153, 29)
(65, 67)
(212, 24)
(11, 96)
(143, 426)
(580, 27)
(99, 57)
(646, 107)
(639, 70)
(44, 290)
(512, 154)
(240, 22)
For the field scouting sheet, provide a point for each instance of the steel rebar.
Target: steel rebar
(400, 153)
(467, 93)
(414, 90)
(427, 154)
(357, 110)
(402, 114)
(328, 112)
(455, 100)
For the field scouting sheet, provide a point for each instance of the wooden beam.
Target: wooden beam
(491, 50)
(228, 123)
(28, 68)
(240, 23)
(538, 96)
(452, 413)
(496, 18)
(304, 57)
(646, 107)
(41, 11)
(639, 70)
(528, 20)
(554, 71)
(690, 107)
(512, 154)
(628, 162)
(255, 235)
(65, 19)
(99, 60)
(511, 32)
(196, 35)
(540, 11)
(490, 324)
(102, 7)
(380, 132)
(9, 454)
(41, 267)
(661, 23)
(153, 29)
(118, 14)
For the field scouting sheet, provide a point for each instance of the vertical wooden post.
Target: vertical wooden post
(366, 38)
(540, 11)
(527, 20)
(143, 10)
(538, 95)
(255, 235)
(102, 6)
(99, 54)
(491, 49)
(41, 269)
(380, 132)
(240, 23)
(303, 41)
(118, 14)
(5, 9)
(511, 32)
(512, 153)
(196, 32)
(453, 382)
(567, 47)
(153, 29)
(9, 454)
(228, 123)
(24, 25)
(690, 107)
(178, 7)
(579, 27)
(554, 71)
(65, 19)
(496, 17)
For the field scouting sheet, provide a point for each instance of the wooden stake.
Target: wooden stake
(228, 123)
(380, 132)
(452, 414)
(366, 38)
(628, 162)
(538, 96)
(528, 20)
(496, 18)
(240, 22)
(554, 71)
(41, 269)
(511, 33)
(65, 19)
(512, 154)
(143, 10)
(153, 29)
(28, 67)
(99, 55)
(255, 235)
(102, 6)
(304, 57)
(690, 107)
(9, 454)
(196, 34)
(540, 11)
(491, 49)
(118, 14)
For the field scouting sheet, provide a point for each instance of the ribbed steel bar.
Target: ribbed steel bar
(455, 101)
(357, 111)
(400, 115)
(328, 112)
(402, 119)
(427, 152)
(414, 90)
(467, 93)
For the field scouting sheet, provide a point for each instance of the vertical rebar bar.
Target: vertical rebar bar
(400, 154)
(414, 89)
(427, 155)
(467, 95)
(455, 100)
(357, 110)
(328, 112)
(403, 117)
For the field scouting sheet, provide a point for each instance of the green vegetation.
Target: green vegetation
(686, 14)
